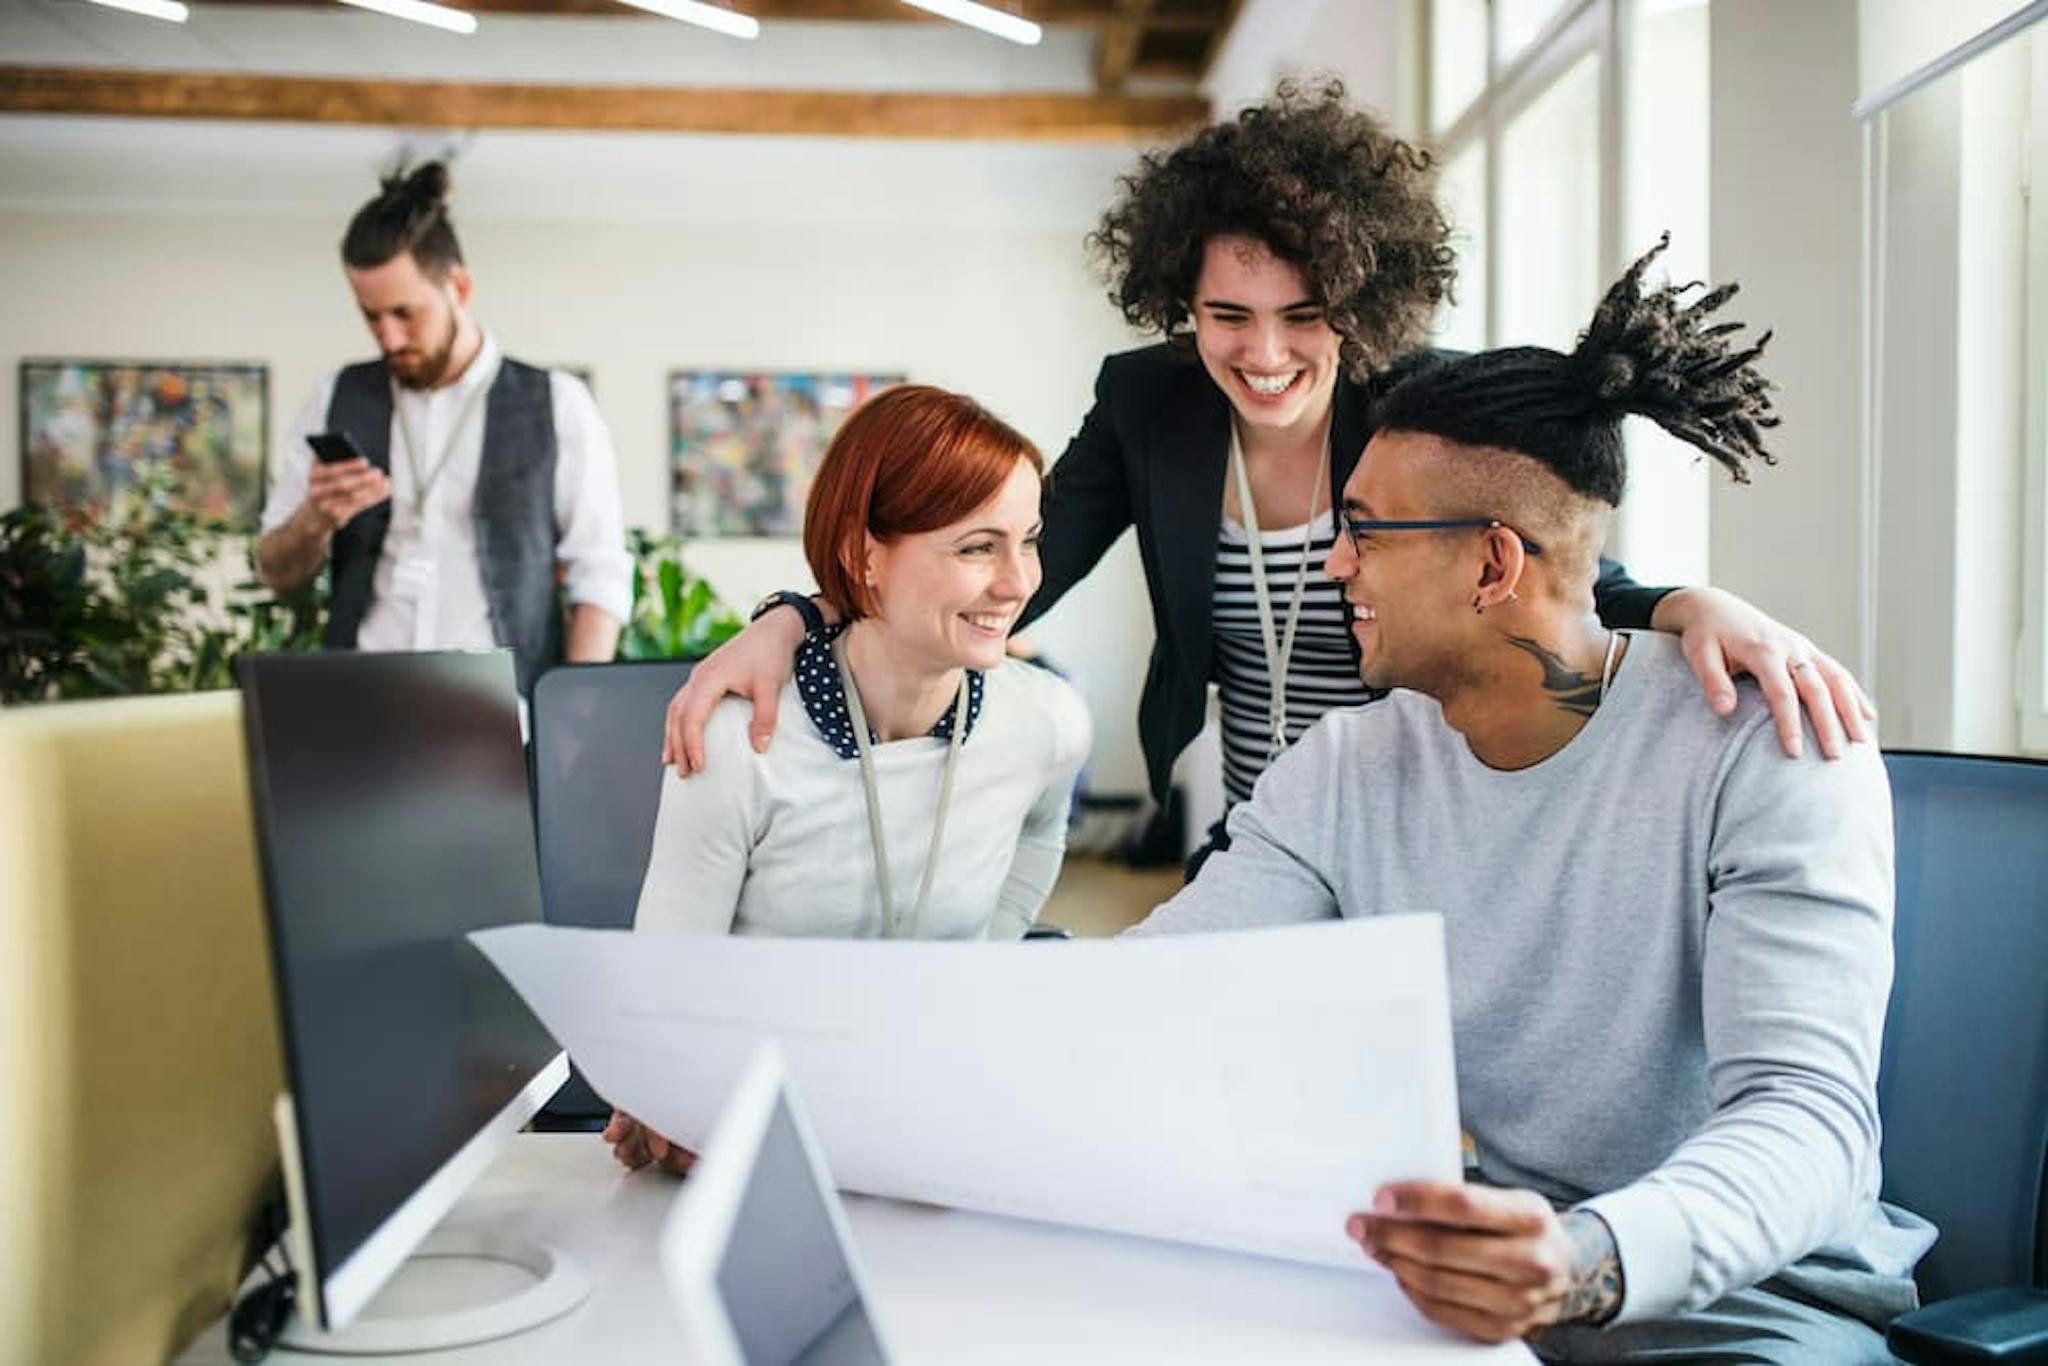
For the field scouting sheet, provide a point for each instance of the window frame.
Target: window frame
(1607, 31)
(1580, 27)
(2033, 651)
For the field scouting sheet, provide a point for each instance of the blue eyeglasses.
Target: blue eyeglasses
(1355, 527)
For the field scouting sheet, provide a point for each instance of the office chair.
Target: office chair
(596, 789)
(1963, 1081)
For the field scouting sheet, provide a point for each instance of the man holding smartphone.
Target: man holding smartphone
(460, 494)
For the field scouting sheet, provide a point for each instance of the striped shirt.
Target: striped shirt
(1321, 673)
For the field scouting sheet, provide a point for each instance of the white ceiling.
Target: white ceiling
(329, 39)
(199, 167)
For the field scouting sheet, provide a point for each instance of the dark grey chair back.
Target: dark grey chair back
(1963, 1085)
(596, 787)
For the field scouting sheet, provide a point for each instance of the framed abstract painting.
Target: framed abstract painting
(743, 446)
(89, 426)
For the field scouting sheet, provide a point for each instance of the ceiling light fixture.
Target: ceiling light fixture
(715, 17)
(422, 12)
(155, 9)
(987, 18)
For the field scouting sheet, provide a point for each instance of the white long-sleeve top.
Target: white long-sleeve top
(778, 843)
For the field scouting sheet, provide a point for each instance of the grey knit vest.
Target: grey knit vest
(514, 512)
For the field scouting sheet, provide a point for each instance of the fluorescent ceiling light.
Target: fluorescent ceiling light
(422, 12)
(729, 22)
(155, 9)
(987, 18)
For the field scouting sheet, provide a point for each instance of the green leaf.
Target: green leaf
(670, 576)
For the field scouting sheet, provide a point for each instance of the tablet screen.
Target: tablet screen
(788, 1288)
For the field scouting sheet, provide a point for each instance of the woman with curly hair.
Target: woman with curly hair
(1292, 258)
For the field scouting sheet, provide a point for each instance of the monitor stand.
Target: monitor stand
(558, 1284)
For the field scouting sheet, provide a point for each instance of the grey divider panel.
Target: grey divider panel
(597, 784)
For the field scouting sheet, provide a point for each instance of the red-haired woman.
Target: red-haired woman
(919, 789)
(918, 786)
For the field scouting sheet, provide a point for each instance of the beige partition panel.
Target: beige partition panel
(138, 1038)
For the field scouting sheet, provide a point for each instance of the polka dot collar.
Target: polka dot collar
(817, 683)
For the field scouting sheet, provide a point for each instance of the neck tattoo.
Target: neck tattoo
(1570, 689)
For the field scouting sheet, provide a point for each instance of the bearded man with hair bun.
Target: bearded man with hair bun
(486, 490)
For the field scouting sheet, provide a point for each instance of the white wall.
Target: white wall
(1786, 206)
(1367, 42)
(956, 265)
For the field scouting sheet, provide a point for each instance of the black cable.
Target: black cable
(259, 1317)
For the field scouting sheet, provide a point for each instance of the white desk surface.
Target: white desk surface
(949, 1287)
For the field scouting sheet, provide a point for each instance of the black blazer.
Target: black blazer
(1152, 453)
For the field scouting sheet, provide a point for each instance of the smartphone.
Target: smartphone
(333, 448)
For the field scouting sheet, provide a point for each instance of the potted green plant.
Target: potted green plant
(128, 596)
(47, 607)
(675, 614)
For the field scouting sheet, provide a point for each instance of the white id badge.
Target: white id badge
(413, 581)
(414, 576)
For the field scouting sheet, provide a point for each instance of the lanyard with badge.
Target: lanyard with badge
(872, 790)
(1279, 646)
(415, 573)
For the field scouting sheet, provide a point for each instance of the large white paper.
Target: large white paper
(1244, 1090)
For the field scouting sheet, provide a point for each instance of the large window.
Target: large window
(1517, 24)
(1457, 58)
(1955, 431)
(1461, 185)
(1549, 257)
(1573, 133)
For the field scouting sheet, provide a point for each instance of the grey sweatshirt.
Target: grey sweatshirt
(1669, 951)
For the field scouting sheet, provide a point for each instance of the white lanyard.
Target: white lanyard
(1279, 647)
(1607, 665)
(423, 481)
(858, 714)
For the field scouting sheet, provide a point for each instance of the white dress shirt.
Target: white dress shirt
(428, 591)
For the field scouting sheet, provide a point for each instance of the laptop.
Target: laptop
(757, 1252)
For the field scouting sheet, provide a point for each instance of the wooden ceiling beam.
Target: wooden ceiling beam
(423, 104)
(1117, 41)
(1219, 36)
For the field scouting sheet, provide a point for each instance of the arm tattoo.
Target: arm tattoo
(1596, 1289)
(1573, 691)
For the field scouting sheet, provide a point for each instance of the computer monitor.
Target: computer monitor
(392, 819)
(757, 1251)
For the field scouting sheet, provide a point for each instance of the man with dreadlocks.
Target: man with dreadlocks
(1669, 946)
